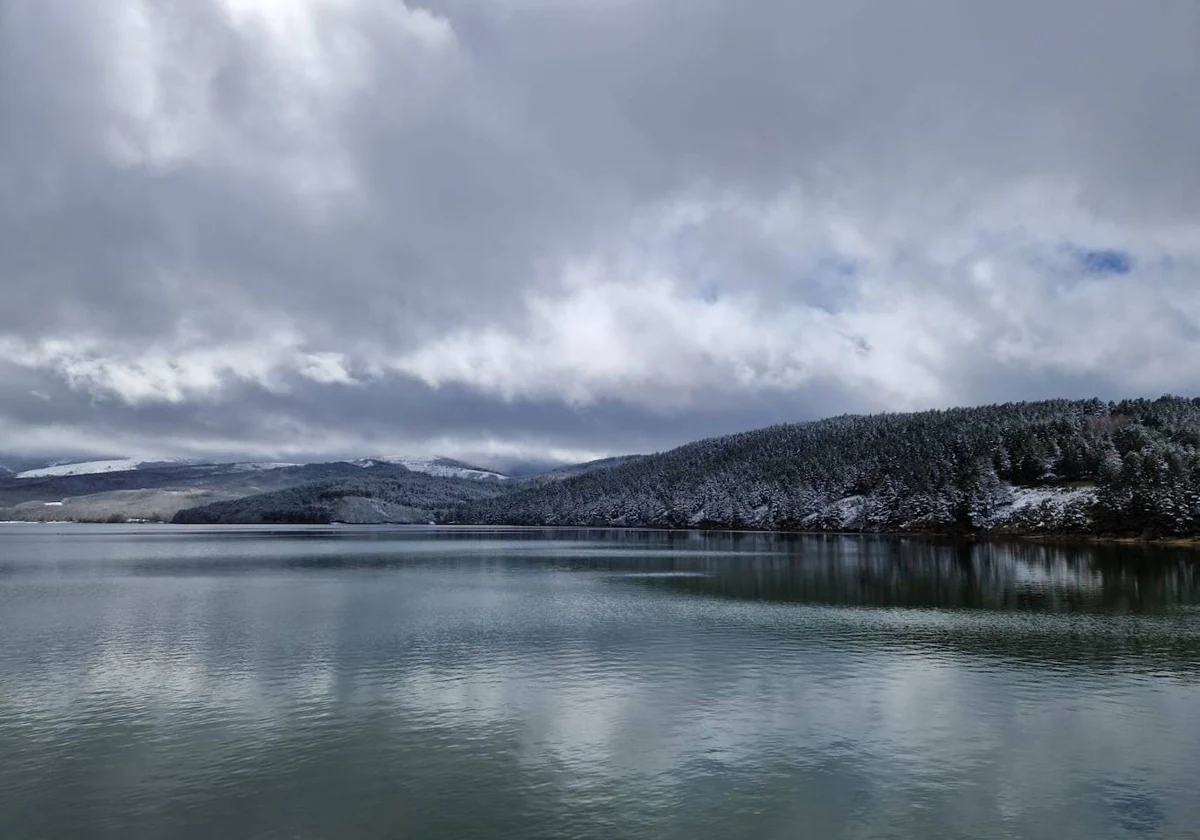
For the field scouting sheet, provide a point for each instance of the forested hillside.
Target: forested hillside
(1059, 466)
(376, 494)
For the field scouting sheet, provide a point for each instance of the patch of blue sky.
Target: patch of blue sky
(1104, 261)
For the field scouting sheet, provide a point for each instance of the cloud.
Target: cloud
(653, 342)
(178, 374)
(505, 225)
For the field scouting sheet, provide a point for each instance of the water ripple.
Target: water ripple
(356, 683)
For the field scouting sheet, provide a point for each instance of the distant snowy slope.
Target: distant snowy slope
(85, 468)
(128, 464)
(440, 467)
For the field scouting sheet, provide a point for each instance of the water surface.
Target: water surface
(395, 683)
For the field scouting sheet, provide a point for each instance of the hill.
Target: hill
(116, 490)
(1057, 466)
(156, 492)
(442, 467)
(378, 494)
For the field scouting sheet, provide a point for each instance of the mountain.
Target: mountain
(1052, 467)
(82, 468)
(381, 493)
(70, 468)
(154, 491)
(409, 490)
(441, 467)
(384, 489)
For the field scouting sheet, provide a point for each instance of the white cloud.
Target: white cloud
(545, 208)
(648, 341)
(307, 60)
(677, 317)
(175, 374)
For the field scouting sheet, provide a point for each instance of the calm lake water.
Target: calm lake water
(339, 683)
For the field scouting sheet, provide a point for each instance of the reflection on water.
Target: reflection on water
(344, 683)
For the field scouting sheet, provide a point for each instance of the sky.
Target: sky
(522, 230)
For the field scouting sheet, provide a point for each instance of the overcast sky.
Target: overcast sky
(511, 229)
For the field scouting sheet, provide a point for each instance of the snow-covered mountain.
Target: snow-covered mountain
(441, 467)
(435, 466)
(83, 468)
(114, 465)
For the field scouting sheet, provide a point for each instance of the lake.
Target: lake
(340, 683)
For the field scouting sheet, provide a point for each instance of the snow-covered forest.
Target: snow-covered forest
(1058, 466)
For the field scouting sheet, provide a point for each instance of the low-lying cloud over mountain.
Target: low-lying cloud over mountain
(538, 229)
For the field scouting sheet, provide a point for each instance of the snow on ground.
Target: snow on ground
(432, 466)
(126, 464)
(1025, 497)
(849, 511)
(86, 468)
(1051, 502)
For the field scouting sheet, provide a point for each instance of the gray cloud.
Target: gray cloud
(517, 228)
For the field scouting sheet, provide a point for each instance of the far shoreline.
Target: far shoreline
(1186, 542)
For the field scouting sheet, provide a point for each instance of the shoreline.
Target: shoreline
(1188, 542)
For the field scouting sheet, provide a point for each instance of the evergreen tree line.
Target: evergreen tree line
(1069, 466)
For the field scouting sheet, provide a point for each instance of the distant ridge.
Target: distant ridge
(571, 470)
(116, 465)
(378, 493)
(437, 466)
